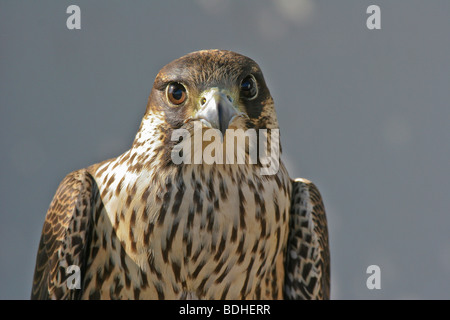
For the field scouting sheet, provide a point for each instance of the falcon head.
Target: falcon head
(218, 88)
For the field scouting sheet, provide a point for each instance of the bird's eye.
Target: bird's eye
(176, 93)
(249, 88)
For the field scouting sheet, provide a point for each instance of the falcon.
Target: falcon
(140, 226)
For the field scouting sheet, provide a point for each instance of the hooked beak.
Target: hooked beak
(218, 109)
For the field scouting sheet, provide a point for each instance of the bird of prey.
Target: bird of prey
(140, 226)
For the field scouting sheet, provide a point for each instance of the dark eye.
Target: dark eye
(176, 93)
(249, 89)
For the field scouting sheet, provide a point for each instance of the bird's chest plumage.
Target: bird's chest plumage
(196, 233)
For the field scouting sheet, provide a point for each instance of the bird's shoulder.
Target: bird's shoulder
(308, 256)
(65, 235)
(305, 193)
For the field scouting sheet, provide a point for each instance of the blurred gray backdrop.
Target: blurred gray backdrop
(363, 113)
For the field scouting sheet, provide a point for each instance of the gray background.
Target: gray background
(364, 114)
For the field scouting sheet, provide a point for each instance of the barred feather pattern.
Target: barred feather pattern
(65, 237)
(308, 257)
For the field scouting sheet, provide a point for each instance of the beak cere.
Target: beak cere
(217, 111)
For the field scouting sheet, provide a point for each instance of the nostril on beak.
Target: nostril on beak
(203, 101)
(229, 98)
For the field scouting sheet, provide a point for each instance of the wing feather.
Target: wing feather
(65, 237)
(307, 262)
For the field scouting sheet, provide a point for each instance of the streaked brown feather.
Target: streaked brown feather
(65, 236)
(308, 255)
